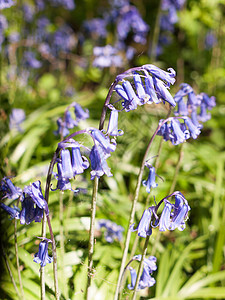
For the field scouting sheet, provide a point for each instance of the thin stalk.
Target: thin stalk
(62, 248)
(10, 272)
(180, 158)
(155, 36)
(54, 259)
(17, 260)
(42, 269)
(91, 236)
(140, 266)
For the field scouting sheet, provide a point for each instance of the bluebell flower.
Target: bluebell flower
(204, 116)
(174, 215)
(63, 40)
(143, 229)
(150, 90)
(133, 275)
(62, 183)
(16, 118)
(182, 109)
(192, 99)
(62, 129)
(194, 118)
(179, 136)
(67, 4)
(6, 3)
(98, 162)
(30, 213)
(80, 113)
(67, 170)
(34, 191)
(162, 91)
(104, 141)
(168, 77)
(13, 212)
(142, 95)
(9, 190)
(112, 129)
(146, 280)
(209, 101)
(112, 232)
(69, 121)
(165, 131)
(194, 130)
(131, 101)
(184, 90)
(79, 163)
(42, 256)
(150, 182)
(40, 4)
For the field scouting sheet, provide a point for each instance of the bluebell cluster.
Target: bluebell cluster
(146, 280)
(127, 21)
(192, 110)
(68, 122)
(173, 216)
(33, 206)
(112, 230)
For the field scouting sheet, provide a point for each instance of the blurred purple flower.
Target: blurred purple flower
(6, 3)
(106, 56)
(96, 26)
(30, 61)
(210, 40)
(112, 232)
(80, 113)
(16, 118)
(28, 12)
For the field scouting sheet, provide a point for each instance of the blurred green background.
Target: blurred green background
(190, 263)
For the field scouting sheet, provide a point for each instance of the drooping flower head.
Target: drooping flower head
(146, 280)
(29, 212)
(35, 193)
(144, 227)
(151, 86)
(174, 215)
(150, 182)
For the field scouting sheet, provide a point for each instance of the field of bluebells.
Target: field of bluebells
(112, 149)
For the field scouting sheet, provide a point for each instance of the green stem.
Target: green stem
(155, 36)
(17, 260)
(140, 267)
(10, 272)
(180, 158)
(42, 269)
(91, 236)
(62, 248)
(54, 259)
